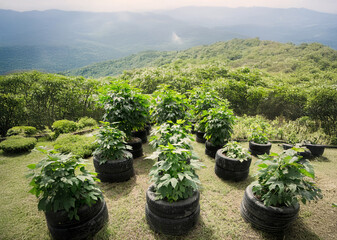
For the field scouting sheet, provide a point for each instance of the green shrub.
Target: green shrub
(61, 182)
(283, 180)
(219, 125)
(111, 144)
(18, 144)
(21, 130)
(64, 126)
(79, 145)
(86, 122)
(169, 105)
(125, 106)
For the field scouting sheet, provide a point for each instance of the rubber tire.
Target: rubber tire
(116, 177)
(86, 228)
(230, 175)
(113, 166)
(259, 149)
(269, 219)
(174, 210)
(148, 129)
(137, 148)
(211, 149)
(231, 164)
(315, 149)
(200, 137)
(173, 227)
(142, 134)
(287, 146)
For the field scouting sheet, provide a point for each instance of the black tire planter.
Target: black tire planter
(268, 219)
(231, 164)
(114, 170)
(230, 175)
(305, 155)
(137, 148)
(315, 149)
(259, 149)
(142, 134)
(211, 149)
(175, 218)
(200, 137)
(92, 220)
(287, 146)
(148, 129)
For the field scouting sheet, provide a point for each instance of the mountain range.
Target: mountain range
(56, 41)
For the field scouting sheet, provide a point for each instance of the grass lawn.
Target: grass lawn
(220, 203)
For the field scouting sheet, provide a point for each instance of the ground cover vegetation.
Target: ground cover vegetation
(290, 116)
(219, 201)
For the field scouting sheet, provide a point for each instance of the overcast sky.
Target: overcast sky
(148, 5)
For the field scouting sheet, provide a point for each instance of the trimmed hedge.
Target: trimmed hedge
(18, 144)
(21, 130)
(86, 122)
(79, 145)
(64, 126)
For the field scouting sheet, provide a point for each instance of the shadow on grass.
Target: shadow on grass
(320, 159)
(115, 191)
(21, 154)
(241, 185)
(200, 231)
(297, 230)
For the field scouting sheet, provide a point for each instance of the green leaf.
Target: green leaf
(31, 166)
(174, 182)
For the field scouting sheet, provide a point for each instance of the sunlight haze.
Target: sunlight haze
(329, 6)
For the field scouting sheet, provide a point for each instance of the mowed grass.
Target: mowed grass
(220, 203)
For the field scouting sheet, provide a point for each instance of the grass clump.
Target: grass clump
(79, 145)
(18, 144)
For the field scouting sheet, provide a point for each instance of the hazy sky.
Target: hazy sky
(148, 5)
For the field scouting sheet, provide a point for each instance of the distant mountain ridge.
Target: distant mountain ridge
(57, 40)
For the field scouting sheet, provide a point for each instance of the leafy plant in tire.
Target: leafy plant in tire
(258, 135)
(219, 125)
(283, 180)
(236, 151)
(175, 178)
(61, 182)
(111, 144)
(125, 106)
(174, 133)
(168, 105)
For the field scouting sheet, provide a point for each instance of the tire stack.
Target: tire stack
(200, 137)
(114, 170)
(259, 149)
(229, 168)
(142, 134)
(91, 220)
(137, 148)
(273, 220)
(175, 218)
(211, 149)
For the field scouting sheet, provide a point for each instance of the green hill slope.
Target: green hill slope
(270, 56)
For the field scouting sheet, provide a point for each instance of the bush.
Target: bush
(79, 145)
(64, 126)
(322, 106)
(18, 144)
(126, 106)
(169, 105)
(86, 122)
(21, 130)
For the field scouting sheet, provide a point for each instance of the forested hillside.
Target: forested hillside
(257, 77)
(274, 57)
